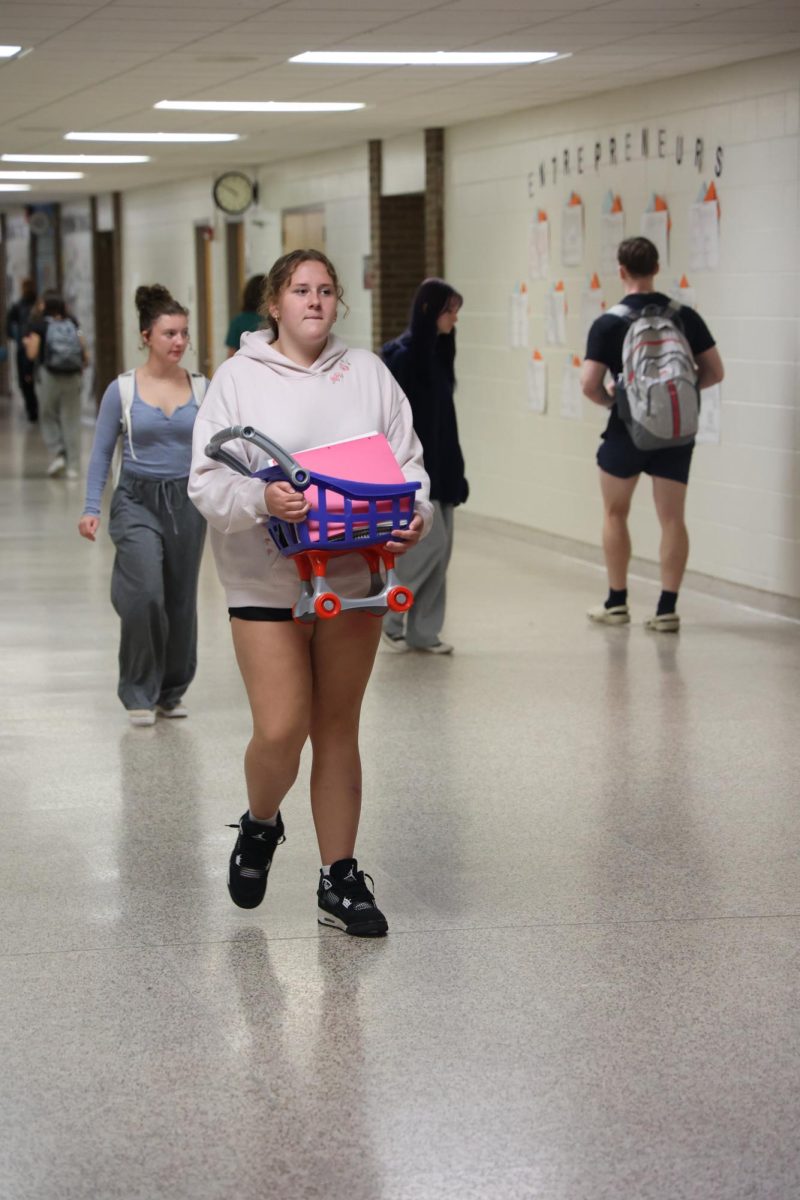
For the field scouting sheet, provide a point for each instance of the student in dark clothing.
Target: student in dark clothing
(621, 462)
(422, 361)
(17, 322)
(249, 319)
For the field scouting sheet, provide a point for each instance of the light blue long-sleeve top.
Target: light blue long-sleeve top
(162, 444)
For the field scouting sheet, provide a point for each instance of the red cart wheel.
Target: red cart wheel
(399, 599)
(327, 605)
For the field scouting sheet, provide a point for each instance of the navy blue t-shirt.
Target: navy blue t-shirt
(607, 335)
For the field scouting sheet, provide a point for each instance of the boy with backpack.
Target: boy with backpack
(55, 343)
(659, 356)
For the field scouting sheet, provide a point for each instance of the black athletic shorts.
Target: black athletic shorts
(618, 456)
(256, 613)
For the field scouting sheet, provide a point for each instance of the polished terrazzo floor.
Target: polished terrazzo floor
(586, 842)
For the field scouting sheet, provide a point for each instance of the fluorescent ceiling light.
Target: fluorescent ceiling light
(255, 106)
(111, 159)
(424, 58)
(15, 187)
(41, 175)
(9, 51)
(151, 137)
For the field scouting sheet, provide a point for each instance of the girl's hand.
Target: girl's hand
(284, 502)
(88, 526)
(404, 539)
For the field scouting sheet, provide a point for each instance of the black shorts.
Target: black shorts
(257, 613)
(618, 456)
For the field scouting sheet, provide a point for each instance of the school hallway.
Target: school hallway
(585, 840)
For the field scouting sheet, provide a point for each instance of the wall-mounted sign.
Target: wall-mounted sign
(611, 151)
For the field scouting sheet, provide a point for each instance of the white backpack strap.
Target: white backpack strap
(199, 384)
(127, 386)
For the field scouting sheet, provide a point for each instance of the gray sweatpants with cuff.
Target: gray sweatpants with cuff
(423, 568)
(159, 537)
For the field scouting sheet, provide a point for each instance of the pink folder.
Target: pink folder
(367, 459)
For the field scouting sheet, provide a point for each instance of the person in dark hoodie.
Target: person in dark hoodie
(422, 361)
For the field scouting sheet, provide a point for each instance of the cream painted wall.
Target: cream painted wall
(158, 247)
(158, 237)
(539, 470)
(340, 182)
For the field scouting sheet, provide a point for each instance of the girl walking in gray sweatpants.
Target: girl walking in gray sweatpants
(157, 531)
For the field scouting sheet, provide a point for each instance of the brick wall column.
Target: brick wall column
(434, 202)
(375, 186)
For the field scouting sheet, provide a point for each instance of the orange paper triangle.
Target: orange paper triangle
(684, 283)
(616, 205)
(537, 356)
(559, 287)
(595, 282)
(574, 199)
(711, 192)
(542, 215)
(576, 362)
(661, 204)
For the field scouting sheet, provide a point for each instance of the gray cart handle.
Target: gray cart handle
(299, 476)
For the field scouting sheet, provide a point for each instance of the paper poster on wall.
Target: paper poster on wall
(518, 316)
(572, 232)
(571, 395)
(539, 246)
(704, 230)
(710, 427)
(592, 304)
(682, 291)
(612, 232)
(537, 383)
(656, 225)
(555, 315)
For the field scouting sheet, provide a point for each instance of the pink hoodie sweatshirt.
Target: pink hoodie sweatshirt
(344, 394)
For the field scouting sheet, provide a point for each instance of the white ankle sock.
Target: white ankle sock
(260, 821)
(326, 870)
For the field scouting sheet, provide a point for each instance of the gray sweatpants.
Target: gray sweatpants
(424, 570)
(60, 415)
(159, 537)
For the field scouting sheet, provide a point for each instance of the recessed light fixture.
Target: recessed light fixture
(425, 58)
(256, 106)
(83, 159)
(22, 175)
(15, 187)
(151, 137)
(9, 51)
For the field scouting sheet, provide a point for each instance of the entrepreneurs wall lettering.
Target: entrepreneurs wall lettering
(647, 144)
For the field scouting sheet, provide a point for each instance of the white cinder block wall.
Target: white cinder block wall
(539, 470)
(158, 226)
(158, 237)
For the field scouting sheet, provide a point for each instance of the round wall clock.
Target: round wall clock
(234, 193)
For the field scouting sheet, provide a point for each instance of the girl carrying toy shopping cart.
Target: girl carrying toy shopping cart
(305, 678)
(346, 515)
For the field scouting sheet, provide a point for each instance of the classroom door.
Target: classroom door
(303, 229)
(203, 318)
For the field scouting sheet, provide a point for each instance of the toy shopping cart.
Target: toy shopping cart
(345, 516)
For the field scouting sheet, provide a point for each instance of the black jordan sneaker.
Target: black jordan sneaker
(252, 859)
(345, 901)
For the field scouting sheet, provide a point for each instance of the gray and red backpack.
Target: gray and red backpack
(657, 395)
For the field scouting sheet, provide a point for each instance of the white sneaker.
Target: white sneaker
(618, 615)
(177, 710)
(57, 465)
(666, 623)
(71, 473)
(142, 716)
(436, 648)
(397, 645)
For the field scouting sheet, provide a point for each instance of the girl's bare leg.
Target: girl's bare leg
(342, 655)
(275, 661)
